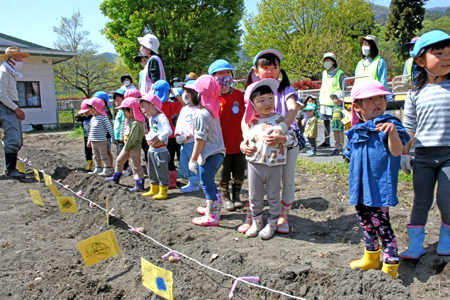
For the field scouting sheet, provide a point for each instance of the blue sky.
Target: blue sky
(33, 20)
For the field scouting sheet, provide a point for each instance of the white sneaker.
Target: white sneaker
(127, 172)
(107, 171)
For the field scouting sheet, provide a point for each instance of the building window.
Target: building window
(29, 94)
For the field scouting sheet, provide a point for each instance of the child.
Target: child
(311, 128)
(154, 69)
(133, 141)
(85, 117)
(426, 120)
(105, 97)
(308, 100)
(336, 124)
(158, 155)
(142, 60)
(100, 127)
(119, 125)
(209, 148)
(265, 165)
(184, 134)
(266, 64)
(374, 146)
(231, 113)
(127, 82)
(162, 89)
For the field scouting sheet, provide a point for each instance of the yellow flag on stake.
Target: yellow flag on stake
(36, 175)
(21, 167)
(36, 197)
(54, 190)
(156, 279)
(67, 204)
(48, 179)
(99, 247)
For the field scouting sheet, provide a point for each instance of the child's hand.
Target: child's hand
(303, 122)
(246, 149)
(386, 127)
(276, 138)
(150, 143)
(88, 144)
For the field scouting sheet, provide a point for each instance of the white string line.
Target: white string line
(190, 258)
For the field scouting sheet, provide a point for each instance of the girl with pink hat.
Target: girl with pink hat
(209, 148)
(133, 144)
(267, 64)
(374, 146)
(157, 139)
(100, 127)
(85, 117)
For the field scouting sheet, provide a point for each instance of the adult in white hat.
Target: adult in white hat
(371, 64)
(332, 82)
(10, 113)
(154, 69)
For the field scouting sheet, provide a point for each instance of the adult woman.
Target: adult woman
(372, 64)
(154, 69)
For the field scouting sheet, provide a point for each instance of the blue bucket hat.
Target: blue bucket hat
(429, 38)
(160, 89)
(104, 96)
(219, 65)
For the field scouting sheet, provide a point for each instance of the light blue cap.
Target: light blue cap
(104, 96)
(219, 65)
(160, 89)
(429, 38)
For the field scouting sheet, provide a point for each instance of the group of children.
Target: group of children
(222, 132)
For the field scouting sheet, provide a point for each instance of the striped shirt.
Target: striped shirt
(100, 126)
(427, 115)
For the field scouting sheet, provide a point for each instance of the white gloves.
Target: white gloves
(406, 163)
(181, 138)
(193, 166)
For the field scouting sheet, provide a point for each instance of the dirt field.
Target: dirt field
(40, 258)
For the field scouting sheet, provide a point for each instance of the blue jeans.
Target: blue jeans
(185, 156)
(207, 174)
(12, 129)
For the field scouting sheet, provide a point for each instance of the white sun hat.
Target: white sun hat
(149, 41)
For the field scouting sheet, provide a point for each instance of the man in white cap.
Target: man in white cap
(10, 113)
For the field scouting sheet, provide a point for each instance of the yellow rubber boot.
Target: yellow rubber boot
(162, 193)
(370, 260)
(390, 269)
(90, 163)
(154, 190)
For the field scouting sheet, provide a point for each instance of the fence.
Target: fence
(69, 104)
(305, 93)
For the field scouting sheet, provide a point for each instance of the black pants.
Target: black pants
(145, 148)
(173, 148)
(87, 150)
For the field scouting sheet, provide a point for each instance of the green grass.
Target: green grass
(65, 116)
(76, 133)
(337, 168)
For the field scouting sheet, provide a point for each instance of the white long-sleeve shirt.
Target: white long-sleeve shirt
(160, 127)
(8, 89)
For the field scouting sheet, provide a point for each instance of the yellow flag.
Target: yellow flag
(67, 204)
(36, 175)
(36, 196)
(48, 179)
(158, 280)
(54, 190)
(21, 167)
(99, 247)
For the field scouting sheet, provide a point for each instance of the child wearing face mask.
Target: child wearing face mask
(332, 82)
(374, 146)
(232, 109)
(127, 82)
(184, 135)
(372, 64)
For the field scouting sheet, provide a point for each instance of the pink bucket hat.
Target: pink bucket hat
(250, 109)
(98, 104)
(365, 88)
(84, 107)
(132, 93)
(134, 104)
(153, 99)
(209, 89)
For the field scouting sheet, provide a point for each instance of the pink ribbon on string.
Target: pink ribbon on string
(19, 158)
(29, 162)
(135, 229)
(42, 171)
(80, 193)
(171, 252)
(112, 209)
(91, 204)
(25, 159)
(253, 279)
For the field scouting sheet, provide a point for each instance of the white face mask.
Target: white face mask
(127, 82)
(175, 84)
(327, 65)
(186, 101)
(365, 50)
(411, 53)
(18, 65)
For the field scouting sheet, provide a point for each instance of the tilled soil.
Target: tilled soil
(41, 260)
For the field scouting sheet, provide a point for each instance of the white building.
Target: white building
(37, 87)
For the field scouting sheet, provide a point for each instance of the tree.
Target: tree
(440, 24)
(286, 25)
(87, 72)
(405, 20)
(192, 33)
